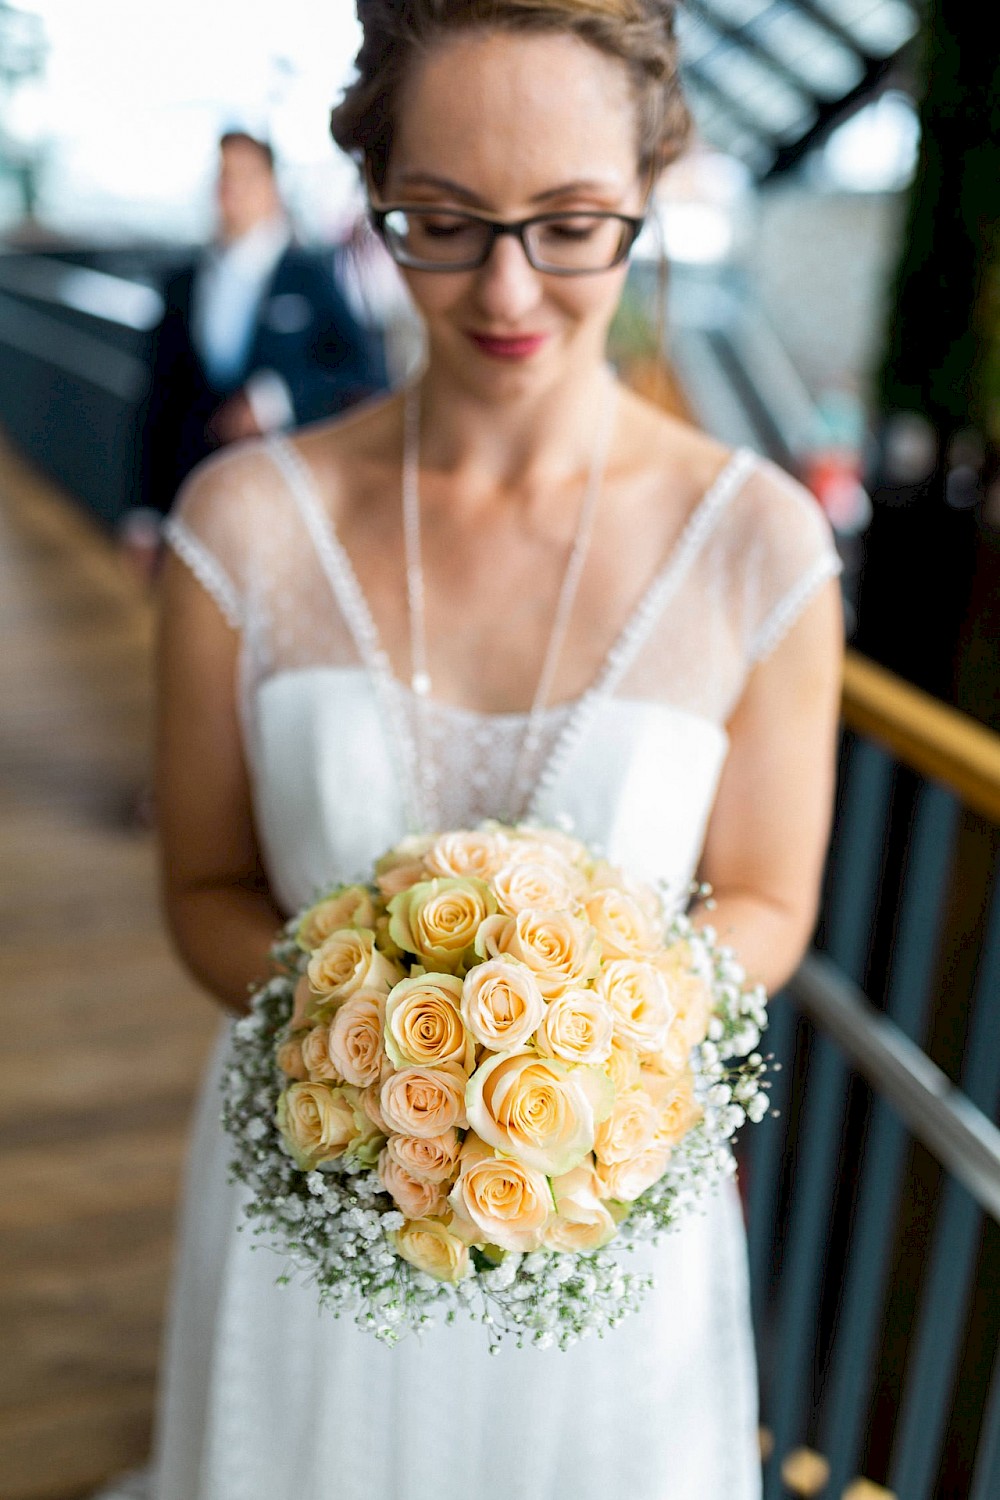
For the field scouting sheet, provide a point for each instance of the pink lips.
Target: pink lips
(521, 346)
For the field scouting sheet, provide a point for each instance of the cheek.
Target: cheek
(435, 293)
(589, 299)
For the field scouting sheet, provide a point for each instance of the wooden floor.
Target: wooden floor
(101, 1035)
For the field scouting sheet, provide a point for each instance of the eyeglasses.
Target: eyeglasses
(564, 244)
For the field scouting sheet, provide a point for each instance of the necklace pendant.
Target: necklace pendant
(420, 682)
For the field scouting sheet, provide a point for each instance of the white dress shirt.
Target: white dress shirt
(228, 287)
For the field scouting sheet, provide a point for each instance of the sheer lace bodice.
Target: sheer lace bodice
(253, 528)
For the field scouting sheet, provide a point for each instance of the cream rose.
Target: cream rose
(354, 1038)
(479, 854)
(629, 1129)
(316, 1055)
(424, 1025)
(582, 1221)
(438, 921)
(433, 1158)
(560, 950)
(625, 930)
(577, 1027)
(416, 1197)
(531, 842)
(318, 1122)
(622, 1066)
(501, 1004)
(498, 1200)
(289, 1059)
(624, 1181)
(538, 1109)
(348, 961)
(351, 906)
(537, 884)
(430, 1245)
(676, 1107)
(424, 1101)
(637, 993)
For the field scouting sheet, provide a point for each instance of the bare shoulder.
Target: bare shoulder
(674, 451)
(353, 455)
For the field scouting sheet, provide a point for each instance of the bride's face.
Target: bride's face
(507, 126)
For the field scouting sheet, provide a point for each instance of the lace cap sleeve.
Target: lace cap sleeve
(208, 527)
(788, 554)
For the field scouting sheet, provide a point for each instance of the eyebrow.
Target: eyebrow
(564, 190)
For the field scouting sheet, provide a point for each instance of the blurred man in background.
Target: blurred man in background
(255, 336)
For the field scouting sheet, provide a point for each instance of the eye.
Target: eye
(441, 226)
(574, 227)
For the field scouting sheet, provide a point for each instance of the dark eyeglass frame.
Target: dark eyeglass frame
(497, 227)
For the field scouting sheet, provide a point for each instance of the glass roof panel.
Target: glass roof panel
(824, 65)
(757, 90)
(880, 26)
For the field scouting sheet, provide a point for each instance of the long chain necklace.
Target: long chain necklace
(420, 678)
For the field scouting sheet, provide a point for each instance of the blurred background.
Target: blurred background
(832, 242)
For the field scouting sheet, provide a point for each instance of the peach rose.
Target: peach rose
(677, 1109)
(549, 842)
(350, 906)
(577, 1027)
(560, 950)
(371, 1103)
(690, 994)
(289, 1059)
(433, 1158)
(498, 1200)
(318, 1122)
(501, 1004)
(624, 1181)
(479, 854)
(622, 1066)
(415, 1197)
(537, 884)
(430, 1245)
(304, 1004)
(637, 993)
(316, 1055)
(629, 1129)
(538, 1109)
(348, 961)
(625, 930)
(424, 1101)
(424, 1025)
(582, 1221)
(354, 1038)
(403, 866)
(438, 921)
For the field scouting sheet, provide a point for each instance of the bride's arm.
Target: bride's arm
(767, 835)
(219, 911)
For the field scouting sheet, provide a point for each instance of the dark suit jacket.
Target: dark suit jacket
(304, 331)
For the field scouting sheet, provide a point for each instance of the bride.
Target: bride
(514, 589)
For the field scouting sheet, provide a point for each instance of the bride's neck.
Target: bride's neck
(539, 435)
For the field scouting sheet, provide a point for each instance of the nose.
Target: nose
(507, 286)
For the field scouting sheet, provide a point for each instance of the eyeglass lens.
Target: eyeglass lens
(570, 242)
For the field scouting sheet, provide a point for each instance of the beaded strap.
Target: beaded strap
(353, 605)
(208, 571)
(637, 630)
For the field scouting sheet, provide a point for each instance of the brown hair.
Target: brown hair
(638, 32)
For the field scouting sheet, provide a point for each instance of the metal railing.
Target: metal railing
(874, 1198)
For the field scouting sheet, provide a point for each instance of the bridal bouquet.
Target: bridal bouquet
(476, 1073)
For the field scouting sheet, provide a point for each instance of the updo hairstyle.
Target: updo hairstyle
(640, 33)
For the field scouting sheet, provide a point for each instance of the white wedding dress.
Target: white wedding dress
(265, 1397)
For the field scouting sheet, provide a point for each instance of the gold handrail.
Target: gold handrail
(923, 733)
